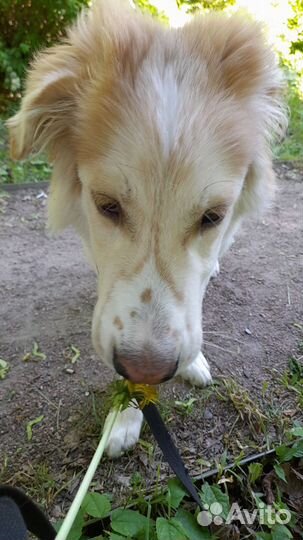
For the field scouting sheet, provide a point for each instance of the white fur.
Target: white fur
(148, 327)
(198, 372)
(216, 270)
(126, 431)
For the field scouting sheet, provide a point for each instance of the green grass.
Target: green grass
(35, 169)
(292, 147)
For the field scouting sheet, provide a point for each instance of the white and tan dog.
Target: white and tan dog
(160, 142)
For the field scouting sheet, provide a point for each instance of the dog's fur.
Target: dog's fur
(173, 125)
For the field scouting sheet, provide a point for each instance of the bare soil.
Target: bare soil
(252, 316)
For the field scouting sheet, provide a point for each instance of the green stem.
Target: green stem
(75, 506)
(148, 522)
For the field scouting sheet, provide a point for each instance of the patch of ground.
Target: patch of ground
(253, 319)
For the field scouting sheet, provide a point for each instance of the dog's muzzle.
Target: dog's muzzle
(147, 366)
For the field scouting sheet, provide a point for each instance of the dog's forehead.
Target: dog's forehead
(176, 185)
(162, 132)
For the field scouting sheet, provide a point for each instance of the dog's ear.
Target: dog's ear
(58, 74)
(47, 107)
(238, 64)
(248, 64)
(241, 64)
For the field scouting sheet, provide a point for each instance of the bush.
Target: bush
(25, 27)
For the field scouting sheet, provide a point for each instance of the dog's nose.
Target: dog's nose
(144, 367)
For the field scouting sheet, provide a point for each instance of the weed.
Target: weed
(186, 406)
(3, 199)
(292, 378)
(34, 354)
(247, 409)
(90, 418)
(37, 480)
(239, 500)
(31, 424)
(4, 368)
(3, 469)
(75, 354)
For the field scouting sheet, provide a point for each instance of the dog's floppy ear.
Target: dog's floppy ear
(48, 104)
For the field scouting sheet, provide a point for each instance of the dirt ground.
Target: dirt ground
(252, 316)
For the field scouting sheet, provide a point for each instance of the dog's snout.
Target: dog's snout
(145, 367)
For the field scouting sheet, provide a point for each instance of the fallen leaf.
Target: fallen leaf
(4, 368)
(30, 424)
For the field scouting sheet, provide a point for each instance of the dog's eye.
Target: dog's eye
(211, 218)
(109, 208)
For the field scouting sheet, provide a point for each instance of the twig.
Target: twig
(210, 344)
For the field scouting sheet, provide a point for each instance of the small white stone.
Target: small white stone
(69, 370)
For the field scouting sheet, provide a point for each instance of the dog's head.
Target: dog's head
(159, 140)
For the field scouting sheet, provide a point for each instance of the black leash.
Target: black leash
(170, 452)
(19, 514)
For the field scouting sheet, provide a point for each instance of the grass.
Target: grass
(35, 169)
(292, 378)
(36, 479)
(246, 407)
(292, 147)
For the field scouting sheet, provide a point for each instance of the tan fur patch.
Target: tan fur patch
(162, 267)
(118, 323)
(146, 296)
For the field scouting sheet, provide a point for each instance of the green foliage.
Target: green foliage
(280, 472)
(255, 470)
(205, 5)
(287, 453)
(146, 6)
(128, 522)
(191, 526)
(297, 431)
(25, 27)
(34, 169)
(213, 494)
(292, 147)
(289, 46)
(77, 527)
(170, 529)
(175, 493)
(4, 368)
(296, 23)
(96, 505)
(292, 379)
(167, 513)
(278, 532)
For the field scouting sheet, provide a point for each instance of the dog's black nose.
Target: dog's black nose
(144, 367)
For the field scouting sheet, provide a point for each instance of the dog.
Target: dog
(160, 144)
